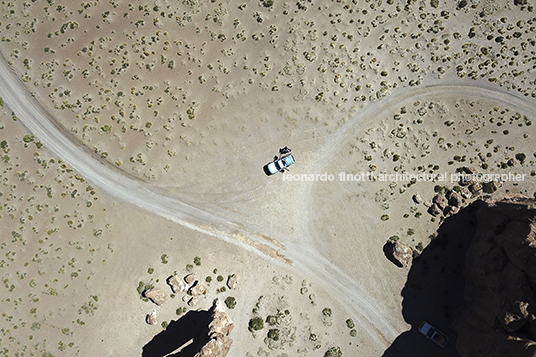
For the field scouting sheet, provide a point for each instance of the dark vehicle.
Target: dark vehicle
(433, 334)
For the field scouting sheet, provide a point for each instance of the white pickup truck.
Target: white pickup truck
(279, 165)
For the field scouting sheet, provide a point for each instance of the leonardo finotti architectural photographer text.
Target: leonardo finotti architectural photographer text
(403, 177)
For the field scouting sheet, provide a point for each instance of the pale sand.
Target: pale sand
(328, 81)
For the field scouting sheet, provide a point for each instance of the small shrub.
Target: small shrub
(326, 312)
(350, 323)
(393, 239)
(273, 334)
(230, 302)
(333, 352)
(488, 187)
(142, 287)
(256, 324)
(272, 320)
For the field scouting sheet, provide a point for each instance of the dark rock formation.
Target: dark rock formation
(500, 271)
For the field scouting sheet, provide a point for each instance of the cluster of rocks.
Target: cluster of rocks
(450, 203)
(189, 284)
(499, 319)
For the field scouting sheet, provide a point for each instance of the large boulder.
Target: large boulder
(176, 283)
(156, 295)
(197, 289)
(401, 254)
(151, 318)
(233, 281)
(499, 319)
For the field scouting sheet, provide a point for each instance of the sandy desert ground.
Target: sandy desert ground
(133, 136)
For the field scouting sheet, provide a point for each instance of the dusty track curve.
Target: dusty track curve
(188, 213)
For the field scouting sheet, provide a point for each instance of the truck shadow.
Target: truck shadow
(186, 333)
(435, 288)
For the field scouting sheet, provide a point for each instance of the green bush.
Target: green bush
(333, 352)
(273, 334)
(230, 302)
(256, 324)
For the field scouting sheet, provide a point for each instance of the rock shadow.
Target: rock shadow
(434, 290)
(187, 333)
(387, 251)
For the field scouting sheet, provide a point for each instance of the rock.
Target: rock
(417, 198)
(156, 295)
(434, 210)
(470, 170)
(151, 318)
(515, 318)
(499, 318)
(441, 201)
(219, 343)
(221, 321)
(190, 278)
(197, 289)
(450, 211)
(454, 198)
(401, 253)
(233, 281)
(475, 188)
(193, 301)
(466, 180)
(465, 192)
(176, 283)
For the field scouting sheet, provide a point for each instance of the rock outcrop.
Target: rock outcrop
(233, 281)
(500, 271)
(219, 343)
(176, 283)
(151, 318)
(401, 254)
(197, 289)
(156, 295)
